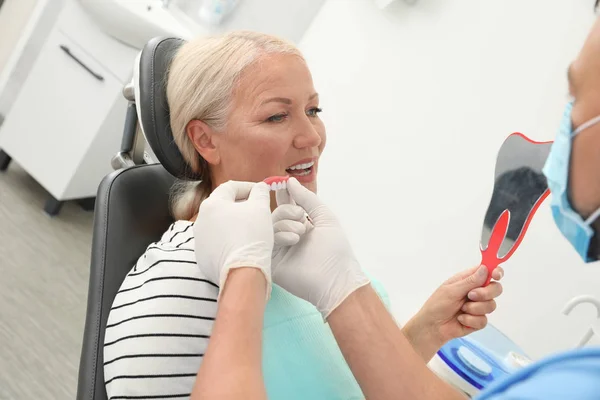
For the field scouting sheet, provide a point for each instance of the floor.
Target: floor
(44, 264)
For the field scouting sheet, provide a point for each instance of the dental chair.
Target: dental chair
(132, 202)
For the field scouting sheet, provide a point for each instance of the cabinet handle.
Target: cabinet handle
(78, 61)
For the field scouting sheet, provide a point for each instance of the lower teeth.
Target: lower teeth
(303, 172)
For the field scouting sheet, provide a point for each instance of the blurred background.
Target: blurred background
(418, 97)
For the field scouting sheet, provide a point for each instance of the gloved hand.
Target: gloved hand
(290, 221)
(321, 268)
(230, 233)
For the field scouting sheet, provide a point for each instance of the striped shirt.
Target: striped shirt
(160, 322)
(162, 317)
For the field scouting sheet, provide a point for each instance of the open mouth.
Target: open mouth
(302, 169)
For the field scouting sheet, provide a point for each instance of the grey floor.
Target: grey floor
(44, 265)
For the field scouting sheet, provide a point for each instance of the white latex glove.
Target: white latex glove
(289, 224)
(230, 233)
(290, 221)
(321, 268)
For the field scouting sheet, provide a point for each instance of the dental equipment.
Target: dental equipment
(476, 361)
(519, 189)
(595, 328)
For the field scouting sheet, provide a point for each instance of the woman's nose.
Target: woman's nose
(307, 136)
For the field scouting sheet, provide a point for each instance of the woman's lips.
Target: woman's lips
(302, 176)
(304, 170)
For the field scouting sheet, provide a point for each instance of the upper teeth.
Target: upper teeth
(278, 185)
(302, 166)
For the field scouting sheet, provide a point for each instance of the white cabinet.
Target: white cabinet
(66, 123)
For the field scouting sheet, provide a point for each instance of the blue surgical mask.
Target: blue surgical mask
(573, 227)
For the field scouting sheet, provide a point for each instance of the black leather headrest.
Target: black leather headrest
(150, 82)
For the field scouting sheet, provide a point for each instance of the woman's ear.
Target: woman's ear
(202, 136)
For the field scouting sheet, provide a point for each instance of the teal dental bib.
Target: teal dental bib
(301, 359)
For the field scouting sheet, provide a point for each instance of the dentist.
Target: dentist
(573, 173)
(322, 270)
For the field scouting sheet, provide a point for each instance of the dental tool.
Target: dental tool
(520, 188)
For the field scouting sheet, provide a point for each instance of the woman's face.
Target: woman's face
(273, 127)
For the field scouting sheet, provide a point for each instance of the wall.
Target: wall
(287, 19)
(13, 17)
(24, 46)
(417, 101)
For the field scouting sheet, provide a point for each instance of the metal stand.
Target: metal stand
(53, 206)
(5, 159)
(132, 144)
(88, 204)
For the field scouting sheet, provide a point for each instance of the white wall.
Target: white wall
(417, 101)
(13, 17)
(287, 19)
(24, 28)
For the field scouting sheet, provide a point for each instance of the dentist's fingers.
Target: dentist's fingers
(475, 322)
(283, 197)
(285, 239)
(233, 190)
(302, 196)
(486, 293)
(288, 211)
(288, 232)
(288, 225)
(479, 307)
(260, 192)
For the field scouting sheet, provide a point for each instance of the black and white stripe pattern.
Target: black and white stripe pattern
(160, 322)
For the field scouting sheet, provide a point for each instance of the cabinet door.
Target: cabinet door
(75, 23)
(58, 112)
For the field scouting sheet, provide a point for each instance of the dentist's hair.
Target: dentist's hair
(200, 84)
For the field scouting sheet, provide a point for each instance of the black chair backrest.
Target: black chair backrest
(131, 212)
(132, 209)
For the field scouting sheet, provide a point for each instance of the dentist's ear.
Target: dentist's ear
(205, 141)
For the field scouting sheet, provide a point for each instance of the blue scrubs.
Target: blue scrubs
(574, 375)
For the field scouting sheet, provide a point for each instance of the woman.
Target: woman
(243, 107)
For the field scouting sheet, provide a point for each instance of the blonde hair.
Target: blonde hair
(200, 83)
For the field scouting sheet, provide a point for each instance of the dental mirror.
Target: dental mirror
(520, 188)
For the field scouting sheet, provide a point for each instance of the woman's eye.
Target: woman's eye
(314, 112)
(277, 118)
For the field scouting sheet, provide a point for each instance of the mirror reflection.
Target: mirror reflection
(519, 185)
